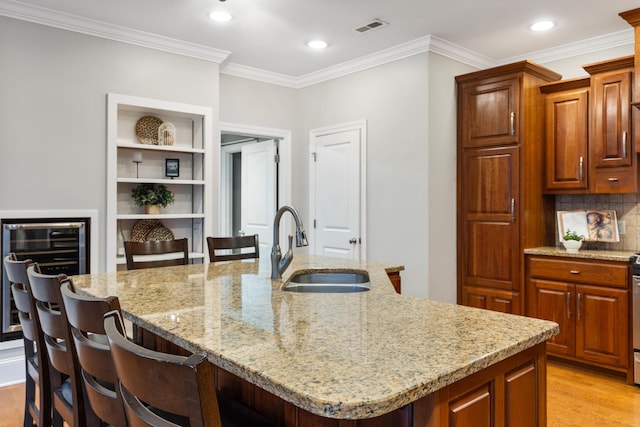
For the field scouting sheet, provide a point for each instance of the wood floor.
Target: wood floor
(575, 397)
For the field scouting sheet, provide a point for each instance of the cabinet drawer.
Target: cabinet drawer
(591, 272)
(615, 180)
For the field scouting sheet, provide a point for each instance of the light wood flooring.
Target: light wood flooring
(575, 397)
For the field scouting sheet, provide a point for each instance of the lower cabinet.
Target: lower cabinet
(590, 302)
(491, 299)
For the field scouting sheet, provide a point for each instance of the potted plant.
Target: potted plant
(572, 241)
(152, 196)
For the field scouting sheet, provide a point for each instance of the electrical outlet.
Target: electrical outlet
(622, 227)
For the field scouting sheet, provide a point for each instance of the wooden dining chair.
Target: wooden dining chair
(86, 320)
(156, 253)
(232, 248)
(37, 403)
(163, 390)
(69, 400)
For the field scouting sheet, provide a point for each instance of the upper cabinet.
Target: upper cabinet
(588, 137)
(182, 164)
(490, 112)
(566, 135)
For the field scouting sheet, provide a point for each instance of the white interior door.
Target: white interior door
(337, 192)
(258, 192)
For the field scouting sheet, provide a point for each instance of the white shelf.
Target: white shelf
(193, 197)
(166, 181)
(164, 148)
(161, 216)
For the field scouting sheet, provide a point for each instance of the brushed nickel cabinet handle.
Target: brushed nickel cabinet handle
(574, 271)
(581, 167)
(613, 179)
(579, 300)
(569, 305)
(624, 144)
(513, 210)
(512, 122)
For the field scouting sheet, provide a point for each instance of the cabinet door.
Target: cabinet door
(490, 238)
(566, 139)
(474, 408)
(611, 124)
(555, 301)
(601, 325)
(489, 112)
(491, 299)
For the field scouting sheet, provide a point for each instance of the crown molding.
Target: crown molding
(582, 47)
(430, 43)
(65, 21)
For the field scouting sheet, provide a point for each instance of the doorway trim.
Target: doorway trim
(361, 126)
(284, 167)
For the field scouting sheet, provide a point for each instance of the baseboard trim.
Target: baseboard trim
(11, 363)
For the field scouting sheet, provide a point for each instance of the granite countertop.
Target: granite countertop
(604, 255)
(347, 356)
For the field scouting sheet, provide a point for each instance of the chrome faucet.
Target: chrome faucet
(278, 263)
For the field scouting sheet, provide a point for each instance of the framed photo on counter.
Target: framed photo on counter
(594, 225)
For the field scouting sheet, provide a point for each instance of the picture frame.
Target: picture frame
(172, 168)
(595, 225)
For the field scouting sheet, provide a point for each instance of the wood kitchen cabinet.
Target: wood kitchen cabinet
(613, 159)
(590, 302)
(566, 135)
(589, 135)
(500, 182)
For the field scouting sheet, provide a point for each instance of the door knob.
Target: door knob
(353, 240)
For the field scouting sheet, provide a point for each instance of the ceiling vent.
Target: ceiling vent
(373, 25)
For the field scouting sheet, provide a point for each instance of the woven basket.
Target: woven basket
(150, 229)
(147, 130)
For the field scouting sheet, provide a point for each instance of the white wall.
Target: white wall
(442, 177)
(53, 87)
(393, 100)
(572, 67)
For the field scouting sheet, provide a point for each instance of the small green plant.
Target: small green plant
(151, 194)
(572, 235)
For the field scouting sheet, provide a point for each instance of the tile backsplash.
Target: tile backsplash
(626, 207)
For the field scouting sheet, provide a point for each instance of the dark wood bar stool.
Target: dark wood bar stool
(137, 253)
(69, 400)
(36, 410)
(230, 243)
(86, 319)
(176, 390)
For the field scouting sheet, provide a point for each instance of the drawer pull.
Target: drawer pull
(613, 179)
(574, 271)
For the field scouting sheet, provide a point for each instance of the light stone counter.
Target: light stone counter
(346, 356)
(604, 255)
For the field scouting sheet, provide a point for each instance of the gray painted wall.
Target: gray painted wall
(53, 87)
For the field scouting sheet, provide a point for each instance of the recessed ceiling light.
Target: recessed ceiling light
(220, 16)
(317, 44)
(542, 26)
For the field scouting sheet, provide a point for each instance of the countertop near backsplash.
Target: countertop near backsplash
(602, 254)
(627, 210)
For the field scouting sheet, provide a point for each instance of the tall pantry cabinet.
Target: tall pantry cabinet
(500, 158)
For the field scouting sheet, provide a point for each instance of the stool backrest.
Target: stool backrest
(232, 248)
(146, 254)
(176, 387)
(86, 320)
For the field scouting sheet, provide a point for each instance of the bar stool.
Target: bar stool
(69, 400)
(180, 390)
(36, 363)
(177, 252)
(86, 320)
(230, 243)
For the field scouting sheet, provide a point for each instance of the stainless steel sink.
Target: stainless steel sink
(329, 281)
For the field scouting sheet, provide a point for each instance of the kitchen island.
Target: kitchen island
(325, 359)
